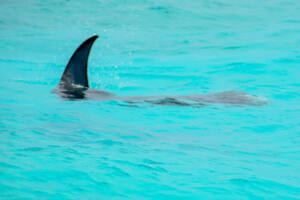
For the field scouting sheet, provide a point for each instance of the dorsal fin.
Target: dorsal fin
(76, 69)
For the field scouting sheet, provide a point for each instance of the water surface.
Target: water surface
(54, 149)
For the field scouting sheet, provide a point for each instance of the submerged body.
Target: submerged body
(74, 86)
(228, 97)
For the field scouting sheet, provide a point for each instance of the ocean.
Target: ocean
(51, 148)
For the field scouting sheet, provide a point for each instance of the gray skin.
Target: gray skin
(74, 86)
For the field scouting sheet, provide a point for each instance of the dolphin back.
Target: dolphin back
(76, 70)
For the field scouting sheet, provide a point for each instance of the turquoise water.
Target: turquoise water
(54, 149)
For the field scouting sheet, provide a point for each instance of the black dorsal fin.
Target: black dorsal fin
(76, 69)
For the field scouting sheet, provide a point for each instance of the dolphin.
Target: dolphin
(74, 85)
